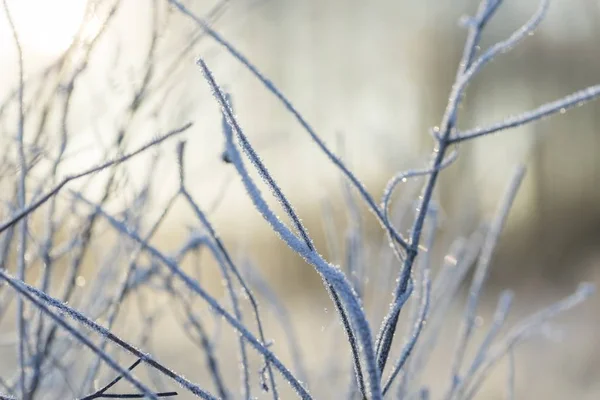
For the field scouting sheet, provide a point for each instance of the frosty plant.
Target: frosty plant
(381, 366)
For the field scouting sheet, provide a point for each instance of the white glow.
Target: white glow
(45, 26)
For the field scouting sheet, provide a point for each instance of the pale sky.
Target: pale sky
(45, 28)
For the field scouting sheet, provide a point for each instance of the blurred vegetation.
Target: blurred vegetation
(373, 79)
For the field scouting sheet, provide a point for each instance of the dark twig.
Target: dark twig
(101, 393)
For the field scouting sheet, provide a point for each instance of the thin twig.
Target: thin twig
(197, 288)
(32, 207)
(25, 290)
(21, 198)
(101, 393)
(336, 283)
(481, 271)
(288, 105)
(543, 111)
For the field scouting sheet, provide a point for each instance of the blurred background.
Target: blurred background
(372, 78)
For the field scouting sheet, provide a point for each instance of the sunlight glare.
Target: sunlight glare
(45, 26)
